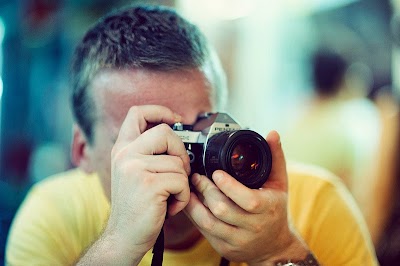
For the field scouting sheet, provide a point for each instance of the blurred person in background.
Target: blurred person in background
(339, 130)
(135, 72)
(388, 184)
(14, 184)
(387, 207)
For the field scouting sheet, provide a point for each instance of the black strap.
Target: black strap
(224, 262)
(158, 250)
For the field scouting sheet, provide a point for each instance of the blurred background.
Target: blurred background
(265, 46)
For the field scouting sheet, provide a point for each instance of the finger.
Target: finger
(251, 200)
(161, 139)
(278, 176)
(170, 164)
(205, 221)
(247, 199)
(138, 118)
(163, 164)
(219, 204)
(174, 189)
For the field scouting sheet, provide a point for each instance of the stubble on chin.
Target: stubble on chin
(180, 233)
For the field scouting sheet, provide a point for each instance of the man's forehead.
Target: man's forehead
(131, 80)
(115, 91)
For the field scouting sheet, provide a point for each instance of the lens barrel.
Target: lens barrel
(244, 154)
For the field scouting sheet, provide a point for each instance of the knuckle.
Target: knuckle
(149, 179)
(126, 167)
(134, 110)
(164, 128)
(220, 209)
(202, 186)
(254, 205)
(207, 225)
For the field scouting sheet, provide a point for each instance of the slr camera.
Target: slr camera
(217, 142)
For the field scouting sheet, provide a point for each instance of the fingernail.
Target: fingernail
(279, 137)
(217, 176)
(177, 117)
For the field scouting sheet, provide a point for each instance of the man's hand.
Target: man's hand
(149, 165)
(245, 224)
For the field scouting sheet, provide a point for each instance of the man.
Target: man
(135, 73)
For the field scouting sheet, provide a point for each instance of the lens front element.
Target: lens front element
(245, 158)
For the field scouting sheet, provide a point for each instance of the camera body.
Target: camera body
(216, 141)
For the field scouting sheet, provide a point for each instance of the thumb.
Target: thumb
(278, 176)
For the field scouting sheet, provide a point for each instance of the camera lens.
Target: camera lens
(243, 154)
(245, 159)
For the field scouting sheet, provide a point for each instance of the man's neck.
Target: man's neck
(180, 233)
(191, 241)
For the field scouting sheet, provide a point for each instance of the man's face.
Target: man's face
(185, 92)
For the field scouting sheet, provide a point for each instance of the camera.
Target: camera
(217, 142)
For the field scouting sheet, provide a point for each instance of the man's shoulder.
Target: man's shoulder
(327, 216)
(313, 188)
(74, 179)
(64, 210)
(63, 199)
(311, 178)
(68, 189)
(72, 175)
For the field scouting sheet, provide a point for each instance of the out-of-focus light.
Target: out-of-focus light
(1, 89)
(217, 9)
(311, 6)
(228, 9)
(2, 31)
(329, 4)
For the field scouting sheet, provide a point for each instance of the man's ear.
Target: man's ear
(80, 150)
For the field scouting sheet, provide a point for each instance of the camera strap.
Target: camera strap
(224, 262)
(158, 249)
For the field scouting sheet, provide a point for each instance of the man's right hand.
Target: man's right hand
(149, 166)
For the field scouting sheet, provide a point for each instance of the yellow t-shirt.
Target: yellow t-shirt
(64, 214)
